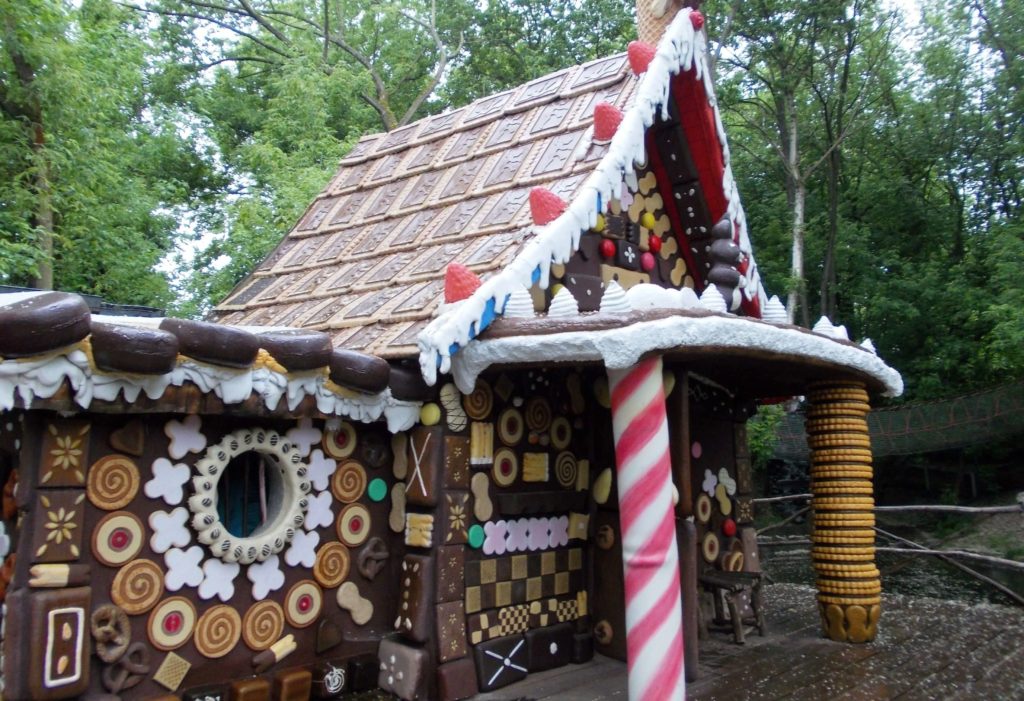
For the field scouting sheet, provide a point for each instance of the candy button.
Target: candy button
(476, 536)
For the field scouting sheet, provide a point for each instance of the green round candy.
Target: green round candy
(378, 489)
(476, 535)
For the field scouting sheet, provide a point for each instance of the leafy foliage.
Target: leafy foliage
(154, 153)
(92, 160)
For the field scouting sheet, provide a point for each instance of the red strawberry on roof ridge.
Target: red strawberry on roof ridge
(607, 118)
(545, 206)
(459, 283)
(697, 20)
(640, 55)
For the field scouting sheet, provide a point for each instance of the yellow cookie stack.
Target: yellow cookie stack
(849, 588)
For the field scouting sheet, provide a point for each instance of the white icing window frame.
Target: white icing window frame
(271, 537)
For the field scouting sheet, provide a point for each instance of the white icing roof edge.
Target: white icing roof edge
(680, 49)
(624, 346)
(44, 376)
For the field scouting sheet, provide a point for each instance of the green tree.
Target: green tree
(514, 41)
(805, 76)
(94, 167)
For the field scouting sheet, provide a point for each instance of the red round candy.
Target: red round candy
(119, 539)
(356, 524)
(729, 527)
(173, 622)
(305, 603)
(697, 20)
(647, 261)
(654, 243)
(608, 248)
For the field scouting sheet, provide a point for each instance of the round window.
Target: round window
(250, 495)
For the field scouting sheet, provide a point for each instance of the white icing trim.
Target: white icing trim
(680, 49)
(272, 537)
(623, 347)
(49, 682)
(44, 376)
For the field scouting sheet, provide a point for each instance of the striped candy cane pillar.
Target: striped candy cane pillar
(654, 623)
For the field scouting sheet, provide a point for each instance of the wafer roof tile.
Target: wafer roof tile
(366, 261)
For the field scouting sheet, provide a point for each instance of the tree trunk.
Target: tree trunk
(44, 208)
(799, 190)
(828, 273)
(797, 268)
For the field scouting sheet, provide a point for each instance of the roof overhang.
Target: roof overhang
(748, 356)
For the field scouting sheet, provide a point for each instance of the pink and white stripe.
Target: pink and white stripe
(654, 621)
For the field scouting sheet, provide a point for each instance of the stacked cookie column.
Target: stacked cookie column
(849, 588)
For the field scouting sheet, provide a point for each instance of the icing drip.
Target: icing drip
(564, 304)
(867, 345)
(614, 300)
(44, 377)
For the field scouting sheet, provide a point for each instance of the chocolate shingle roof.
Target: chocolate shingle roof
(366, 261)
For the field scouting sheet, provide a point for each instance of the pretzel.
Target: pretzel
(129, 670)
(111, 631)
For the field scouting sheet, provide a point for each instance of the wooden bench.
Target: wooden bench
(730, 586)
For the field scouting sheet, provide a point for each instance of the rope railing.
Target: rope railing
(922, 427)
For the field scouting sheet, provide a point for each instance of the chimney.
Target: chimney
(654, 16)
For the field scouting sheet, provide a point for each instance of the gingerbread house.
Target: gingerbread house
(481, 413)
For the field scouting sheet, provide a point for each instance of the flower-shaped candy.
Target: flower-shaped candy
(185, 436)
(728, 482)
(304, 436)
(266, 577)
(518, 535)
(495, 533)
(303, 549)
(320, 470)
(167, 482)
(169, 529)
(218, 579)
(540, 533)
(710, 482)
(559, 531)
(183, 568)
(319, 513)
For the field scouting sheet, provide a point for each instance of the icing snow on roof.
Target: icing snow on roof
(683, 48)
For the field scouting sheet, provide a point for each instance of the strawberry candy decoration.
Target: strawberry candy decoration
(545, 206)
(697, 20)
(459, 283)
(640, 55)
(607, 118)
